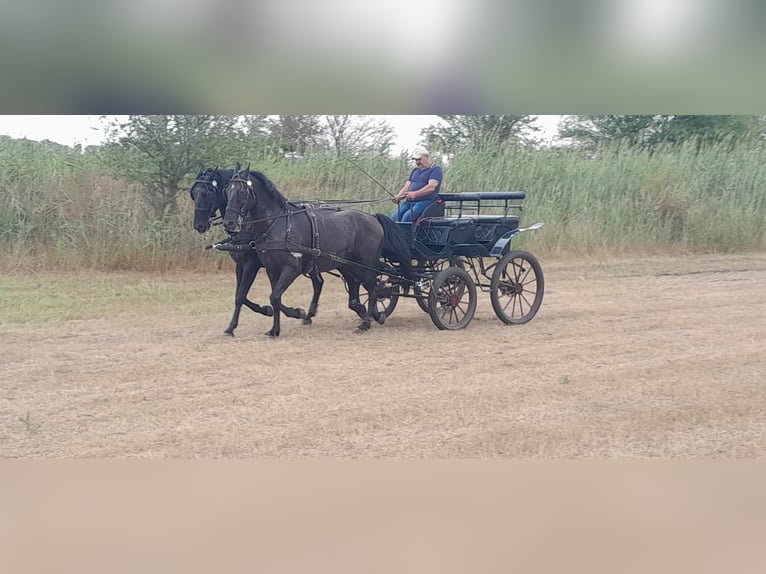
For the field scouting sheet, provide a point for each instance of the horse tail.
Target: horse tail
(396, 245)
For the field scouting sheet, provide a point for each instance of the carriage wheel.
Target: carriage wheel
(452, 300)
(388, 297)
(420, 296)
(517, 286)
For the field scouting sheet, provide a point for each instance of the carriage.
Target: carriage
(458, 246)
(462, 245)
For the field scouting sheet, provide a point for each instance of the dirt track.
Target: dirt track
(652, 357)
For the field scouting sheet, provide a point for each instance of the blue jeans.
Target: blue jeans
(409, 211)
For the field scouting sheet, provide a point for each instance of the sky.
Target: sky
(88, 130)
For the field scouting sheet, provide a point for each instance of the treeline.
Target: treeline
(124, 205)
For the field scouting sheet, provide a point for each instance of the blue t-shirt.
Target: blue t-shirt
(419, 179)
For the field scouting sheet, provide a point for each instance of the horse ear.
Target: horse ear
(237, 167)
(248, 167)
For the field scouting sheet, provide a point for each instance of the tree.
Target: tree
(590, 131)
(260, 139)
(158, 152)
(479, 131)
(257, 126)
(297, 134)
(649, 131)
(359, 135)
(705, 129)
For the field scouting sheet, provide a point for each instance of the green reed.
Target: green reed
(58, 208)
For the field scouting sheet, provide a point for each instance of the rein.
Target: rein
(345, 201)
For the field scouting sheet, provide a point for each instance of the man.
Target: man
(421, 188)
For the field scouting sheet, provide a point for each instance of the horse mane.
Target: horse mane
(226, 175)
(270, 187)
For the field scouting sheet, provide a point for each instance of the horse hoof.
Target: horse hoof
(229, 333)
(359, 313)
(364, 327)
(381, 318)
(307, 321)
(268, 311)
(272, 334)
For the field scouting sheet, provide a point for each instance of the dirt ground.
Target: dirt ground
(659, 356)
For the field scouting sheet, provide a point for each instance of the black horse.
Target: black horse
(294, 240)
(209, 198)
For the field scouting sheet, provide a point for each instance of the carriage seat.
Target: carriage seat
(470, 229)
(434, 210)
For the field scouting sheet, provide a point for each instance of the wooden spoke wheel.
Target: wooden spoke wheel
(422, 296)
(517, 287)
(452, 299)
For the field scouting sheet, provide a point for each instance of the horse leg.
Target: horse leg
(235, 318)
(318, 283)
(353, 294)
(292, 312)
(370, 283)
(278, 287)
(252, 266)
(378, 315)
(246, 273)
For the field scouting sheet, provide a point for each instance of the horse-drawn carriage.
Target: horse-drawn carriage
(463, 244)
(460, 245)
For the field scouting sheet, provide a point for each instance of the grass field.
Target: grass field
(644, 357)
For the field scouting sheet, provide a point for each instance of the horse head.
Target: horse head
(250, 193)
(207, 194)
(240, 197)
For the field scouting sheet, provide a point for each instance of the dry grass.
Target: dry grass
(654, 357)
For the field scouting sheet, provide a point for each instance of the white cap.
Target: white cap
(419, 152)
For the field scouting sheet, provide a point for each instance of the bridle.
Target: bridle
(250, 195)
(286, 212)
(211, 186)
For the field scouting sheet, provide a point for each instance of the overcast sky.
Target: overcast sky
(87, 130)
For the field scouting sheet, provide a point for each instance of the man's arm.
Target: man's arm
(404, 191)
(430, 187)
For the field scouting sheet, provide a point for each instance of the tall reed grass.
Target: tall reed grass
(58, 209)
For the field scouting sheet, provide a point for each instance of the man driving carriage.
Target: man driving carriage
(421, 189)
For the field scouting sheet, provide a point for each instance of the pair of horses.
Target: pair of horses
(210, 201)
(290, 240)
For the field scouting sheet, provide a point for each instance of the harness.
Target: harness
(264, 243)
(217, 203)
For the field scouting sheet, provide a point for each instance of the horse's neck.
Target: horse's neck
(267, 209)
